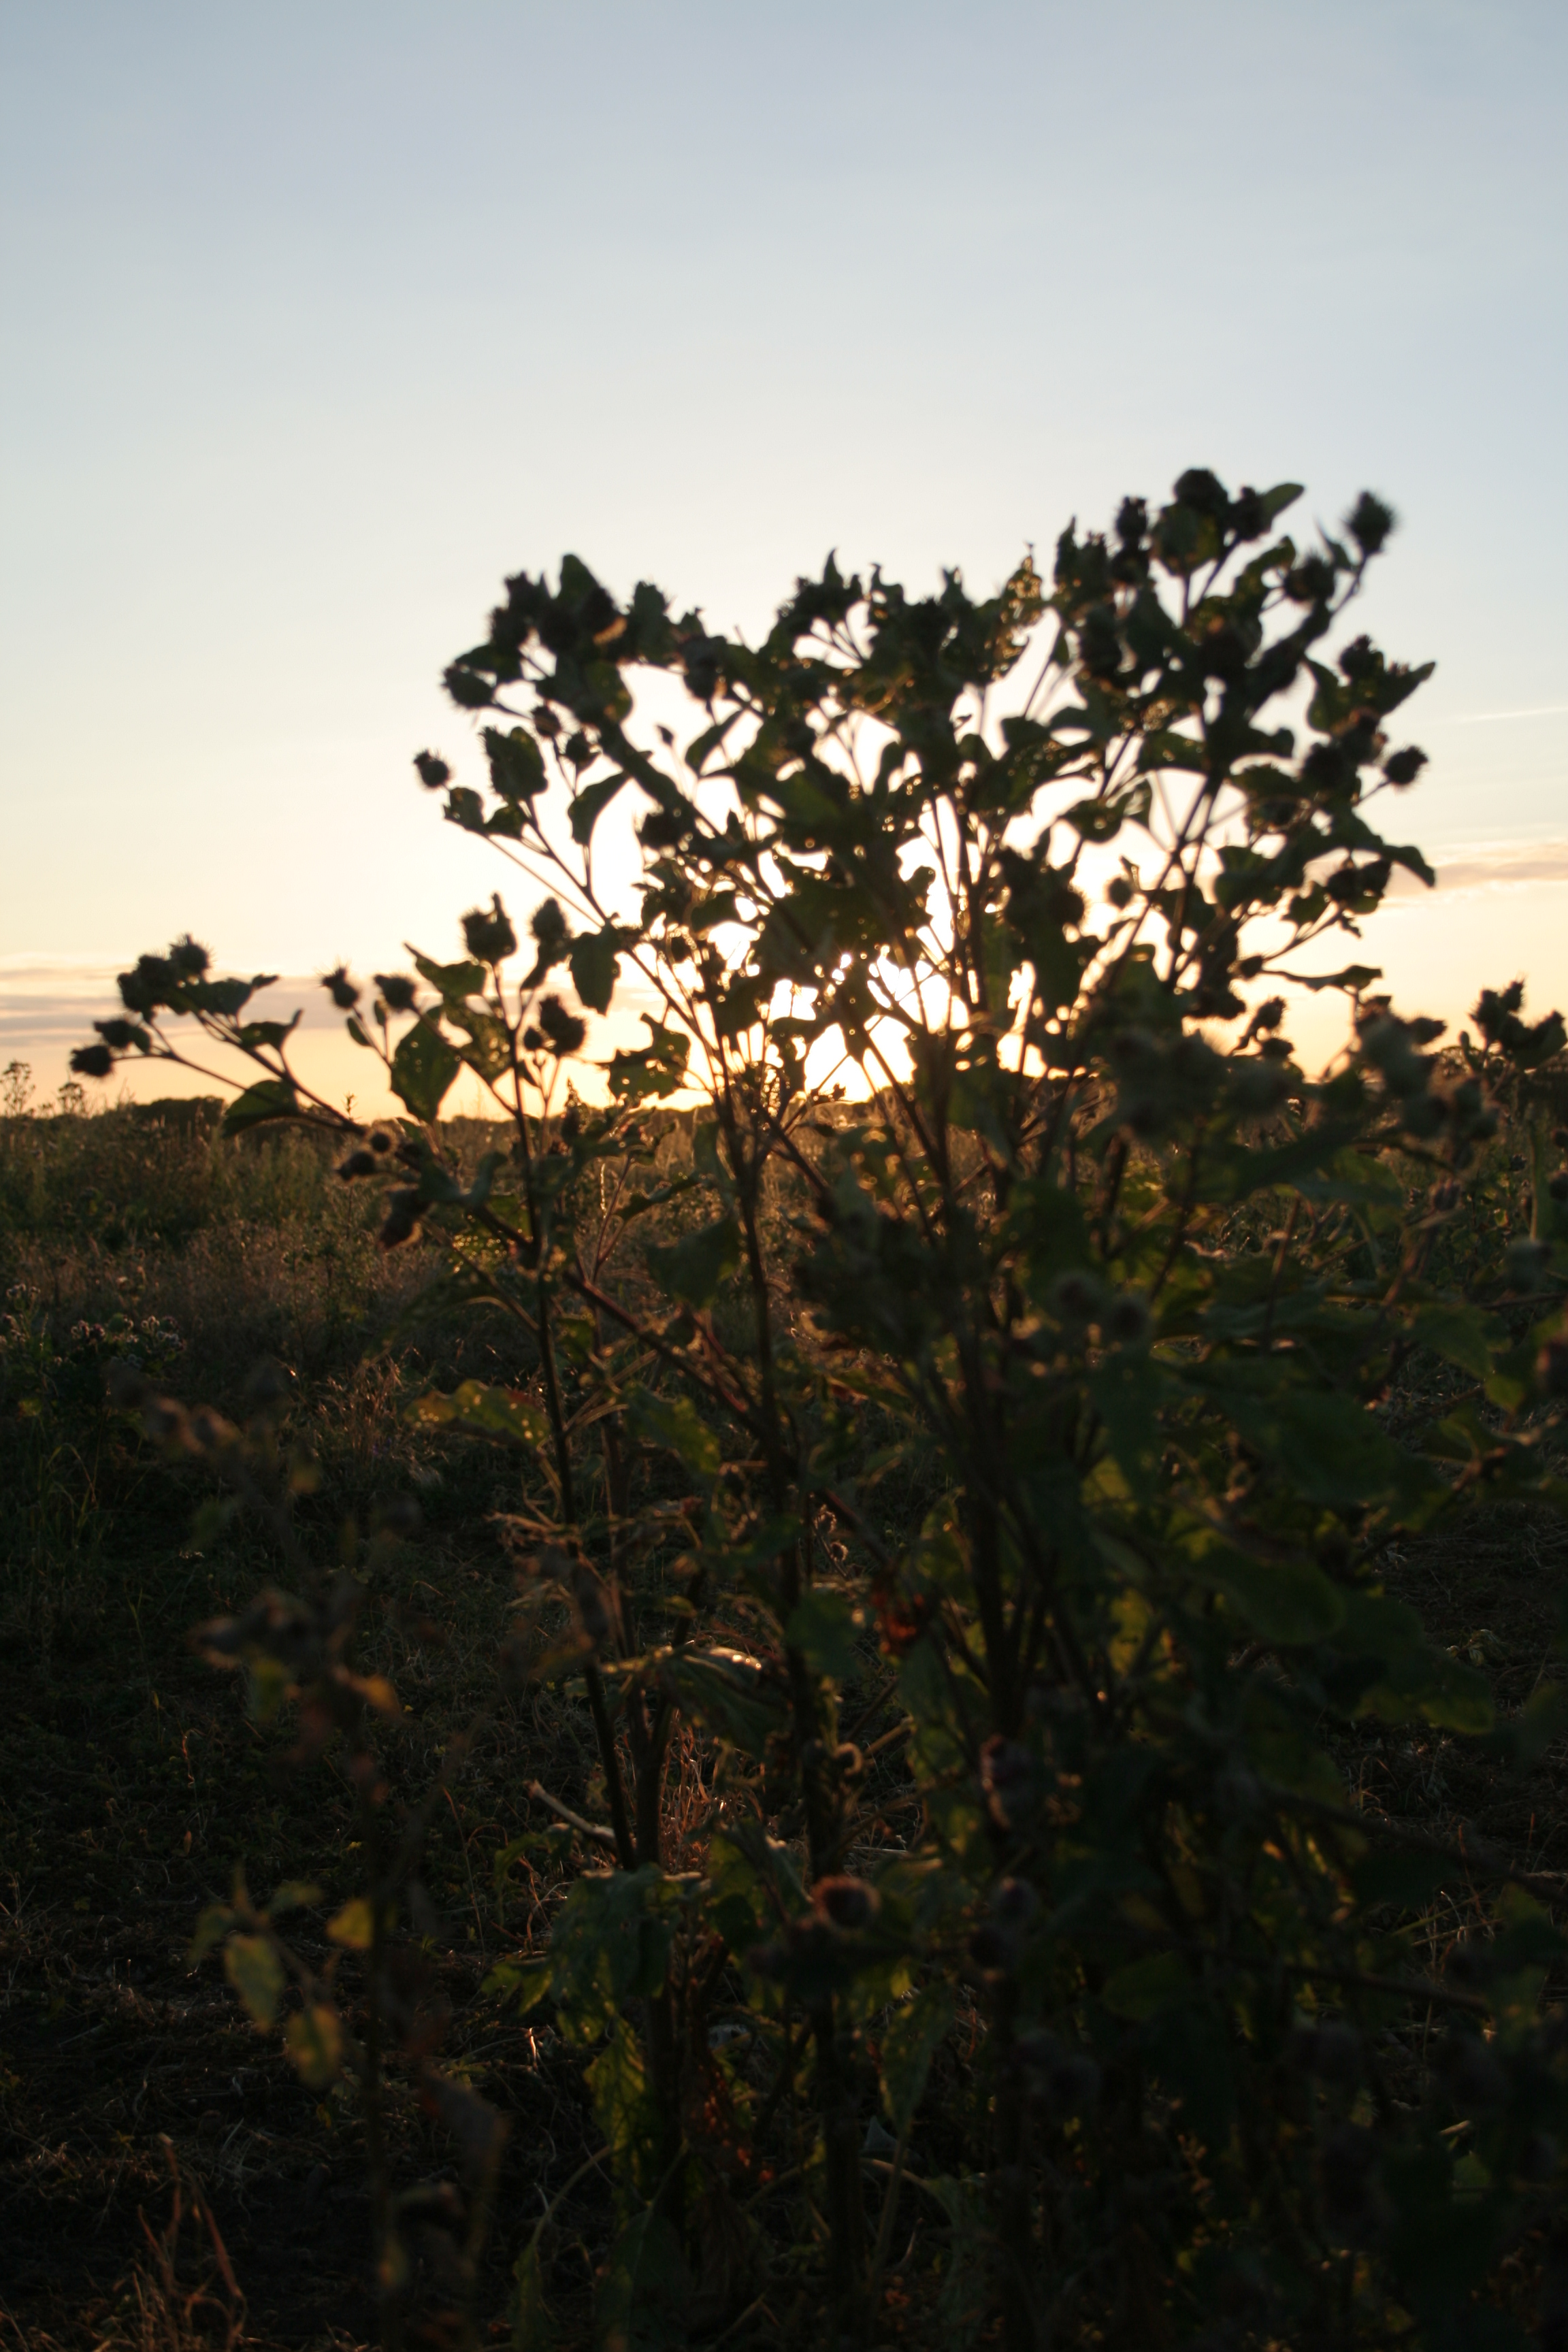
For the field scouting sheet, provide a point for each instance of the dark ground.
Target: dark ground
(132, 1784)
(164, 2179)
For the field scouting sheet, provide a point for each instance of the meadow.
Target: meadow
(137, 2100)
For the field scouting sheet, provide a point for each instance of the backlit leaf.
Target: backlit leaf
(269, 1098)
(294, 1894)
(422, 1067)
(474, 1404)
(256, 1972)
(211, 1928)
(595, 964)
(656, 1070)
(589, 805)
(353, 1927)
(314, 2038)
(456, 981)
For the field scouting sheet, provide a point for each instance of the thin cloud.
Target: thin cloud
(1486, 718)
(1488, 865)
(47, 1004)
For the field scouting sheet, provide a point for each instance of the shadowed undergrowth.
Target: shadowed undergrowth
(922, 1709)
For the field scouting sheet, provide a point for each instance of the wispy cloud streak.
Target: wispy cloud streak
(1486, 718)
(1489, 865)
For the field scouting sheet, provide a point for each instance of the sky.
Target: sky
(320, 318)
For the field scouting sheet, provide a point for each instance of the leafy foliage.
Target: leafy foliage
(972, 926)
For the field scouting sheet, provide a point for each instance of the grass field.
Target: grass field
(134, 1786)
(166, 2178)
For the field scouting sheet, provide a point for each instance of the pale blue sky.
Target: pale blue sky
(318, 317)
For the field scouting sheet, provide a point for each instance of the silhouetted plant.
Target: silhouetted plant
(968, 1148)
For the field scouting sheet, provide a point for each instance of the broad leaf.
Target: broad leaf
(353, 1927)
(473, 1404)
(656, 1070)
(455, 981)
(423, 1068)
(645, 2292)
(314, 2038)
(533, 2327)
(914, 2033)
(589, 805)
(1286, 1600)
(594, 965)
(1142, 1986)
(269, 1098)
(675, 1423)
(1329, 1447)
(693, 1268)
(734, 1696)
(1465, 1336)
(256, 1972)
(822, 1627)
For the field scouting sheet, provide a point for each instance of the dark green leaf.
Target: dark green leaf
(1286, 1600)
(594, 965)
(733, 1694)
(423, 1068)
(693, 1268)
(646, 2290)
(657, 1069)
(1404, 1881)
(589, 805)
(1141, 1988)
(1461, 1334)
(1329, 1447)
(489, 1047)
(269, 1098)
(822, 1627)
(1189, 2050)
(675, 1423)
(911, 2040)
(455, 981)
(1127, 1388)
(517, 764)
(533, 2327)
